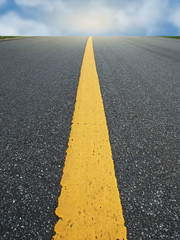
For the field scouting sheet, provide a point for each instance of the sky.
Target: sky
(89, 17)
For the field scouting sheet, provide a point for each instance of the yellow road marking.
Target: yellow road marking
(89, 206)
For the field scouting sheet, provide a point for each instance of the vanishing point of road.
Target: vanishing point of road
(101, 117)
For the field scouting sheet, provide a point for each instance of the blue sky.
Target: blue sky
(91, 17)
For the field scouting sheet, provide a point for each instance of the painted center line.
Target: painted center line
(89, 206)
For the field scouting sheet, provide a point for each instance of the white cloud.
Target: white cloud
(104, 19)
(85, 21)
(143, 16)
(175, 18)
(13, 24)
(94, 17)
(47, 5)
(7, 30)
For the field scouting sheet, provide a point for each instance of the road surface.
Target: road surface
(140, 85)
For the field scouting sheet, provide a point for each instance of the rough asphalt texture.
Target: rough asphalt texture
(140, 84)
(38, 82)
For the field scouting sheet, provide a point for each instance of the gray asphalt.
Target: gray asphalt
(38, 82)
(140, 84)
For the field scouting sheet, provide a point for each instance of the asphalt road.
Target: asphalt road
(39, 79)
(140, 84)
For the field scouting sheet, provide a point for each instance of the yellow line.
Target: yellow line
(89, 206)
